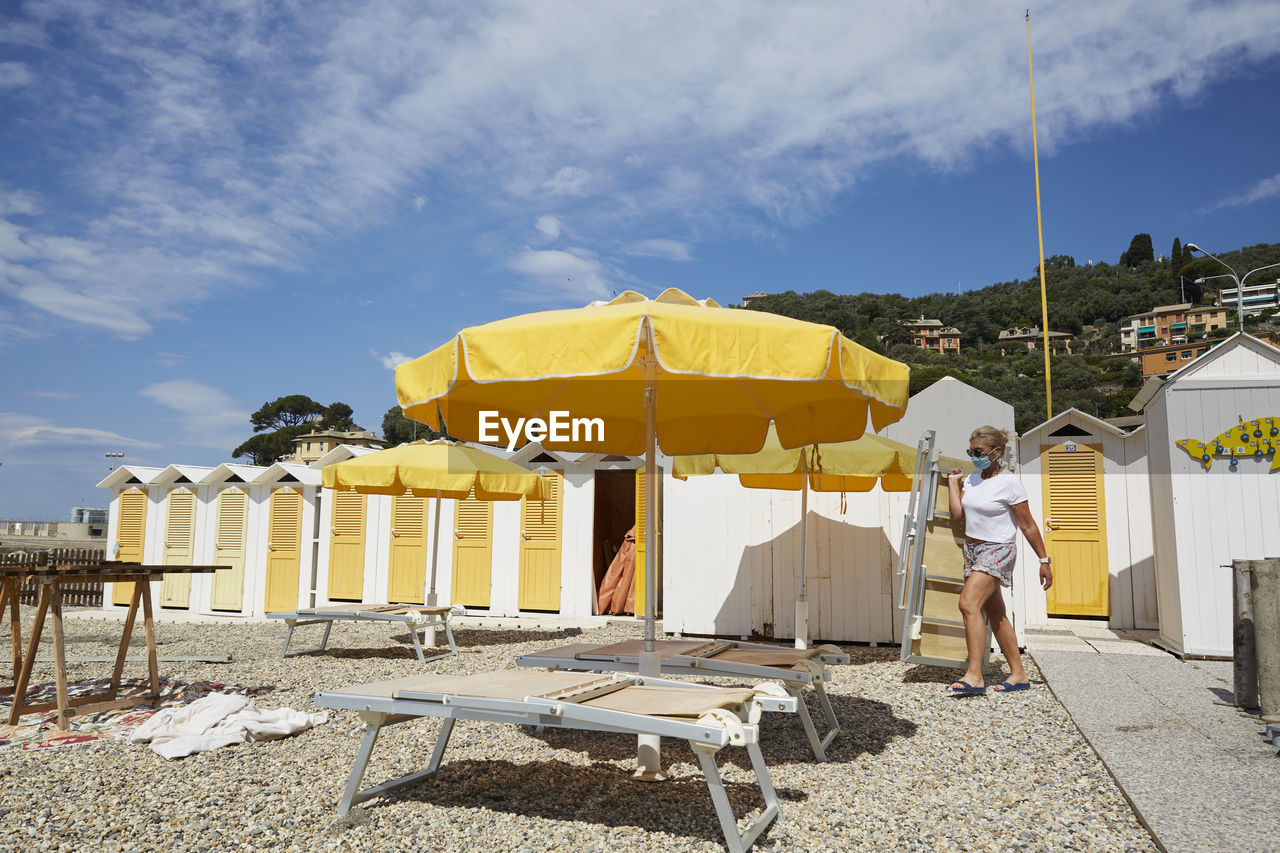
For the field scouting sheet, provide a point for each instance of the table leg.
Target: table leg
(127, 634)
(24, 677)
(152, 664)
(59, 657)
(15, 622)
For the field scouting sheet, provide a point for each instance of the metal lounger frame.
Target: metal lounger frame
(378, 712)
(794, 681)
(294, 618)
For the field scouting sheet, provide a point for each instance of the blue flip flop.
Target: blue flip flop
(967, 690)
(1006, 687)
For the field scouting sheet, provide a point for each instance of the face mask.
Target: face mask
(982, 461)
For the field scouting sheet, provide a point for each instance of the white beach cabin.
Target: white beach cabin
(1203, 517)
(1086, 481)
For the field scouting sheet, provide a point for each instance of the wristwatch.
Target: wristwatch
(1046, 560)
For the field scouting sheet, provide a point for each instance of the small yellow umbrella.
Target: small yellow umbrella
(438, 469)
(847, 466)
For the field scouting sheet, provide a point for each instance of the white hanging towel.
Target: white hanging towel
(219, 719)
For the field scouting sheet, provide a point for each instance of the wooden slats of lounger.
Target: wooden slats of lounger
(763, 657)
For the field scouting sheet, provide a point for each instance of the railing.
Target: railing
(74, 593)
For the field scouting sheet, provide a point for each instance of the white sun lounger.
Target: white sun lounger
(414, 616)
(709, 718)
(795, 668)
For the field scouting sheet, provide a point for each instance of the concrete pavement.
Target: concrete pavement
(1198, 771)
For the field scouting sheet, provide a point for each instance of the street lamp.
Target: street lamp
(113, 457)
(1239, 280)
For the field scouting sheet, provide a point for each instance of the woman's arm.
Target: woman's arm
(1027, 524)
(953, 494)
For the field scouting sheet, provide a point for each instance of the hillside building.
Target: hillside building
(933, 335)
(310, 447)
(1031, 337)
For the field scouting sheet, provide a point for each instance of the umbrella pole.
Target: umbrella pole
(435, 557)
(802, 600)
(648, 748)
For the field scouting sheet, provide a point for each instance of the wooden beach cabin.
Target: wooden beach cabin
(1207, 513)
(1088, 487)
(227, 529)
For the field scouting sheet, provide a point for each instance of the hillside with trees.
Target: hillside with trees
(1090, 301)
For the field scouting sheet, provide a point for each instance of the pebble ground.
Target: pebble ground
(913, 769)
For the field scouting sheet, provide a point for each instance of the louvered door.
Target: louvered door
(540, 549)
(407, 575)
(284, 549)
(131, 535)
(472, 552)
(179, 546)
(228, 550)
(346, 547)
(1075, 529)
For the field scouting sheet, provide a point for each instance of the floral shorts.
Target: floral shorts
(991, 558)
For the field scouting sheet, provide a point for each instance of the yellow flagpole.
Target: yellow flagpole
(1035, 156)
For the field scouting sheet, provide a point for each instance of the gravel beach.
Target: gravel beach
(914, 768)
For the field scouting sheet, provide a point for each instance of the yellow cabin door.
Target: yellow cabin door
(472, 552)
(228, 550)
(640, 542)
(1075, 529)
(284, 549)
(346, 547)
(131, 535)
(179, 546)
(407, 574)
(540, 549)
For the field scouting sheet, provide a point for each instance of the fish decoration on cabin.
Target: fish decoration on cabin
(1257, 438)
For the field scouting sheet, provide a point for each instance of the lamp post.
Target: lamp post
(1239, 280)
(113, 457)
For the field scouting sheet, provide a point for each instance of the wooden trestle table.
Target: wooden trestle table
(50, 575)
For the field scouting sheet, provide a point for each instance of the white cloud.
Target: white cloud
(1261, 191)
(671, 250)
(419, 202)
(18, 202)
(569, 180)
(24, 431)
(549, 226)
(746, 115)
(14, 75)
(561, 276)
(391, 359)
(207, 416)
(54, 395)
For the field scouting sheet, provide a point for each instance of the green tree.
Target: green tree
(397, 429)
(283, 419)
(1140, 251)
(1175, 257)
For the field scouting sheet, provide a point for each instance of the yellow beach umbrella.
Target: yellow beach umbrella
(436, 469)
(846, 466)
(622, 376)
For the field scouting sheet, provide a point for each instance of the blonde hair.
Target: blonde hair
(991, 435)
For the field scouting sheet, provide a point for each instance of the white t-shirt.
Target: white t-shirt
(986, 506)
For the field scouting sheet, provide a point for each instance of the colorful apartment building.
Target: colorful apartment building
(1170, 325)
(933, 335)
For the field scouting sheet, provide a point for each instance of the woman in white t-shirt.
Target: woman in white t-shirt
(993, 507)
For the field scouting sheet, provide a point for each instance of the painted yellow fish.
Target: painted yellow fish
(1257, 438)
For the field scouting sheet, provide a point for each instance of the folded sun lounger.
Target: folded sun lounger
(795, 668)
(709, 718)
(415, 616)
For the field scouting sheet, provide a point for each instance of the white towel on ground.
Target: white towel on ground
(219, 719)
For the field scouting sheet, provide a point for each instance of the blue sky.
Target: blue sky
(202, 209)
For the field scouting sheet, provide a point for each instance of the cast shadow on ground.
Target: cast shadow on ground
(867, 727)
(401, 645)
(602, 794)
